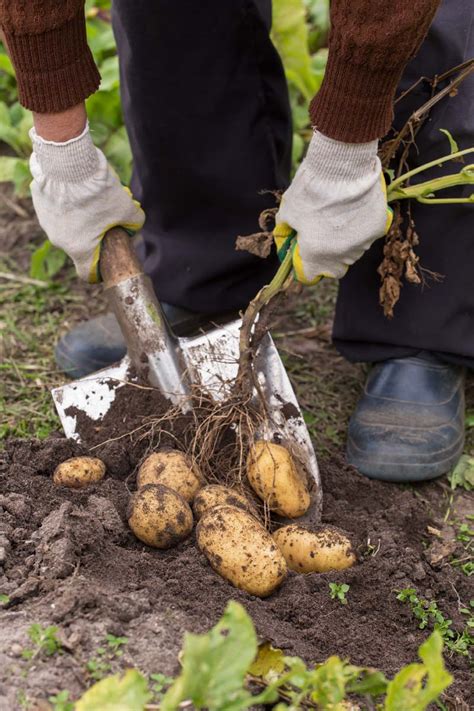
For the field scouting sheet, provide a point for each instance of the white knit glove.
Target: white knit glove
(78, 198)
(336, 204)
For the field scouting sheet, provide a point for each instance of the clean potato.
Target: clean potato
(217, 495)
(159, 516)
(318, 551)
(240, 549)
(274, 476)
(78, 472)
(171, 468)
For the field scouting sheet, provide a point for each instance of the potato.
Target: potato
(317, 551)
(274, 476)
(217, 495)
(78, 472)
(170, 468)
(159, 516)
(240, 549)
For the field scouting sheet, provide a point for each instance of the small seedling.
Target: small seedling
(61, 702)
(100, 665)
(45, 642)
(4, 599)
(159, 685)
(338, 592)
(427, 612)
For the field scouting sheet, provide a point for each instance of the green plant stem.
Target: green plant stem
(432, 164)
(422, 190)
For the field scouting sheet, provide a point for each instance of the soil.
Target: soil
(67, 558)
(71, 561)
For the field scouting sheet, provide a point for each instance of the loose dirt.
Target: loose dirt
(70, 560)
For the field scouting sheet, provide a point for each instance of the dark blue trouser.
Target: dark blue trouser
(438, 317)
(207, 111)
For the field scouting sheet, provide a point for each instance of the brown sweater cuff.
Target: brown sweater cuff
(354, 104)
(55, 70)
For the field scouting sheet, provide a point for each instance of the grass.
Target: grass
(33, 314)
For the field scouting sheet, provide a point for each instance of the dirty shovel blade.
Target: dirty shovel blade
(211, 362)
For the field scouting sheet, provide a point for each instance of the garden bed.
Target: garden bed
(72, 562)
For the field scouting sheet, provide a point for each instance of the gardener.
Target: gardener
(207, 112)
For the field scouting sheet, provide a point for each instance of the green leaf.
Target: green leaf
(463, 474)
(416, 686)
(4, 599)
(116, 693)
(6, 65)
(290, 36)
(118, 152)
(109, 71)
(469, 421)
(329, 682)
(46, 261)
(7, 168)
(268, 662)
(298, 148)
(452, 143)
(215, 664)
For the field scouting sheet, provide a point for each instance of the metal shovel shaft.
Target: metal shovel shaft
(152, 349)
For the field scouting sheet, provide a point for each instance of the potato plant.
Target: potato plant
(217, 668)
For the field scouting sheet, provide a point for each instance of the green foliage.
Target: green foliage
(159, 685)
(46, 262)
(290, 36)
(45, 642)
(452, 143)
(101, 664)
(61, 702)
(214, 665)
(218, 666)
(428, 613)
(463, 474)
(418, 685)
(338, 592)
(4, 599)
(117, 693)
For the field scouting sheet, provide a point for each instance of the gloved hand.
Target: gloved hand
(337, 206)
(78, 198)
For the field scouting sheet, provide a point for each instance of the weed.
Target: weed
(61, 702)
(338, 592)
(101, 664)
(428, 613)
(4, 599)
(45, 642)
(159, 684)
(462, 475)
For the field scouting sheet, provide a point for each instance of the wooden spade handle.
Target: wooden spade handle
(118, 260)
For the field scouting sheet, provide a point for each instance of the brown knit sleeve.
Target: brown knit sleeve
(369, 46)
(47, 43)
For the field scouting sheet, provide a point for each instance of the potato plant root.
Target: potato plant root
(71, 561)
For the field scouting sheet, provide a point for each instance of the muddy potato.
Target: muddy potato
(274, 476)
(159, 516)
(170, 468)
(217, 495)
(78, 472)
(318, 551)
(239, 548)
